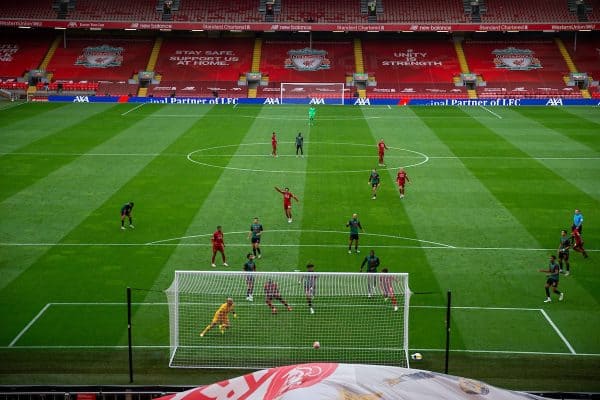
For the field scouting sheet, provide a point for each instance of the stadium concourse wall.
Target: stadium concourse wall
(484, 102)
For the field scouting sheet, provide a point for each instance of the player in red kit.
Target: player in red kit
(274, 145)
(218, 245)
(287, 202)
(381, 148)
(401, 180)
(577, 241)
(386, 283)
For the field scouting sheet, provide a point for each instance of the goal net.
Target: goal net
(355, 318)
(302, 93)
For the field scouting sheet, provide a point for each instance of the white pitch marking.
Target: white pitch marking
(133, 109)
(444, 247)
(308, 231)
(16, 339)
(491, 112)
(389, 107)
(12, 106)
(558, 332)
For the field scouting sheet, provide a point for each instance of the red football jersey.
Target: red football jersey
(274, 140)
(402, 177)
(217, 238)
(382, 147)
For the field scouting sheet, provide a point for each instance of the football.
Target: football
(316, 345)
(416, 356)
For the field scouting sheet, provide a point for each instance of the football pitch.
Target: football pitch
(490, 189)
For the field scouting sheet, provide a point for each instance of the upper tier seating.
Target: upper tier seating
(423, 11)
(115, 10)
(218, 11)
(527, 12)
(74, 62)
(27, 9)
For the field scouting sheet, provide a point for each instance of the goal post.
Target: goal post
(355, 317)
(302, 93)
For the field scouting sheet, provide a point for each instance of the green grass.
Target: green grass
(484, 211)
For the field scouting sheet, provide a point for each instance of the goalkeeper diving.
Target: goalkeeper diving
(221, 317)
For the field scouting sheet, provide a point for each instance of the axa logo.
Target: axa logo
(362, 101)
(317, 100)
(81, 99)
(271, 100)
(554, 102)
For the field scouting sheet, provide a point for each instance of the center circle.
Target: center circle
(197, 155)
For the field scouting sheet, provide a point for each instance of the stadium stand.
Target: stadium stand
(530, 11)
(423, 11)
(414, 68)
(109, 59)
(28, 9)
(519, 68)
(115, 10)
(327, 62)
(201, 66)
(218, 11)
(116, 89)
(21, 52)
(320, 11)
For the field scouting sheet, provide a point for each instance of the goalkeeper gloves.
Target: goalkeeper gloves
(234, 315)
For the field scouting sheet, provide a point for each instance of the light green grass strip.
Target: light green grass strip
(24, 132)
(42, 214)
(554, 150)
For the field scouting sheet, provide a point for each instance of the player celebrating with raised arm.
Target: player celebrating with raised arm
(272, 292)
(354, 225)
(381, 148)
(372, 262)
(221, 317)
(387, 288)
(218, 245)
(274, 145)
(250, 268)
(126, 213)
(552, 279)
(374, 181)
(312, 113)
(254, 235)
(310, 286)
(563, 251)
(287, 202)
(401, 180)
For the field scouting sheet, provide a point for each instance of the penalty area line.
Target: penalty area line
(133, 109)
(558, 332)
(42, 311)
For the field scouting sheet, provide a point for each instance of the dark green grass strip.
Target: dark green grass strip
(22, 170)
(14, 114)
(581, 130)
(520, 185)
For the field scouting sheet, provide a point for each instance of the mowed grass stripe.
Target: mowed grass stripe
(15, 112)
(51, 152)
(559, 120)
(48, 120)
(529, 197)
(62, 201)
(588, 113)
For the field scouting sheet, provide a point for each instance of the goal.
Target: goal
(356, 318)
(302, 93)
